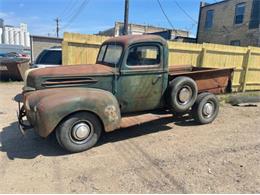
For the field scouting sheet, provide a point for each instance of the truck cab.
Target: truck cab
(131, 76)
(142, 70)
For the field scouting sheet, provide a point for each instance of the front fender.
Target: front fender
(52, 105)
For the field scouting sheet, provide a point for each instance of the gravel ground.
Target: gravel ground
(165, 156)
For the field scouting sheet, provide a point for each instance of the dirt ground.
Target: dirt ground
(164, 156)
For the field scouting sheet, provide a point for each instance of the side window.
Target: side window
(101, 53)
(255, 15)
(235, 43)
(144, 55)
(113, 54)
(239, 14)
(209, 19)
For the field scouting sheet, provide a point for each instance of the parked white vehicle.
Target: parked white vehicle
(51, 57)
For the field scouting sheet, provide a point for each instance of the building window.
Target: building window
(239, 14)
(255, 15)
(235, 43)
(209, 19)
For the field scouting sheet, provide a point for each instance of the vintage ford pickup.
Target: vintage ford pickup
(131, 75)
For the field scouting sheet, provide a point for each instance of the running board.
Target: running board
(129, 121)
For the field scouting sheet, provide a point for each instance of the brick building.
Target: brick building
(230, 22)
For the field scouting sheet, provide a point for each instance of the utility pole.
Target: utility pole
(126, 17)
(57, 20)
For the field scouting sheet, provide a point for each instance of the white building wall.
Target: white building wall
(15, 35)
(11, 36)
(27, 39)
(22, 38)
(1, 35)
(6, 35)
(23, 27)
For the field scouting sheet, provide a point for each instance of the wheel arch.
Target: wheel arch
(81, 111)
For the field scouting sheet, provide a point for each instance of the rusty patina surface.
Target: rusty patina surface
(75, 70)
(13, 69)
(110, 90)
(46, 108)
(212, 80)
(128, 40)
(88, 75)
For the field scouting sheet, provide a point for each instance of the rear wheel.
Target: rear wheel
(79, 131)
(206, 108)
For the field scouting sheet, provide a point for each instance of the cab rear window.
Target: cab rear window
(144, 55)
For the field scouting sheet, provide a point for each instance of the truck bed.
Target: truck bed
(214, 80)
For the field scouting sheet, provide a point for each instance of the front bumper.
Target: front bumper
(23, 123)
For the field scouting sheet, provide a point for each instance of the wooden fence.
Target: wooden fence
(83, 49)
(80, 49)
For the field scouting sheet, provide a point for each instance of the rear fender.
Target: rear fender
(56, 104)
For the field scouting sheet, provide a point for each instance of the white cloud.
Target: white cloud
(34, 27)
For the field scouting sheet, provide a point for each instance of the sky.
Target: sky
(92, 16)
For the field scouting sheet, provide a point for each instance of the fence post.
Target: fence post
(65, 54)
(246, 67)
(203, 56)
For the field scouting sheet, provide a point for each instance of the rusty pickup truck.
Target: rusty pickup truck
(131, 76)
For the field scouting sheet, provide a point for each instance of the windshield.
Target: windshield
(110, 54)
(49, 57)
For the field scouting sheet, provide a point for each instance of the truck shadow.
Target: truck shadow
(15, 145)
(29, 146)
(144, 129)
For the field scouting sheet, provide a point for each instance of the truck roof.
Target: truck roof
(131, 39)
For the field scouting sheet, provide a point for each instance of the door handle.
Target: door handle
(157, 78)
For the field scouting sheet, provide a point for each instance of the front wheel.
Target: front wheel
(206, 108)
(79, 131)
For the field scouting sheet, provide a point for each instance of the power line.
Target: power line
(184, 11)
(67, 8)
(164, 13)
(76, 14)
(72, 10)
(167, 18)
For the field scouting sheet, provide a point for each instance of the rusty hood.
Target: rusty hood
(69, 75)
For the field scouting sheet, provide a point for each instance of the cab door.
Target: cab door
(140, 83)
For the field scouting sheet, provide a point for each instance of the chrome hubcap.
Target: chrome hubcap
(208, 109)
(81, 131)
(185, 95)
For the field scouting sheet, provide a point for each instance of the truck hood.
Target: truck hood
(69, 75)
